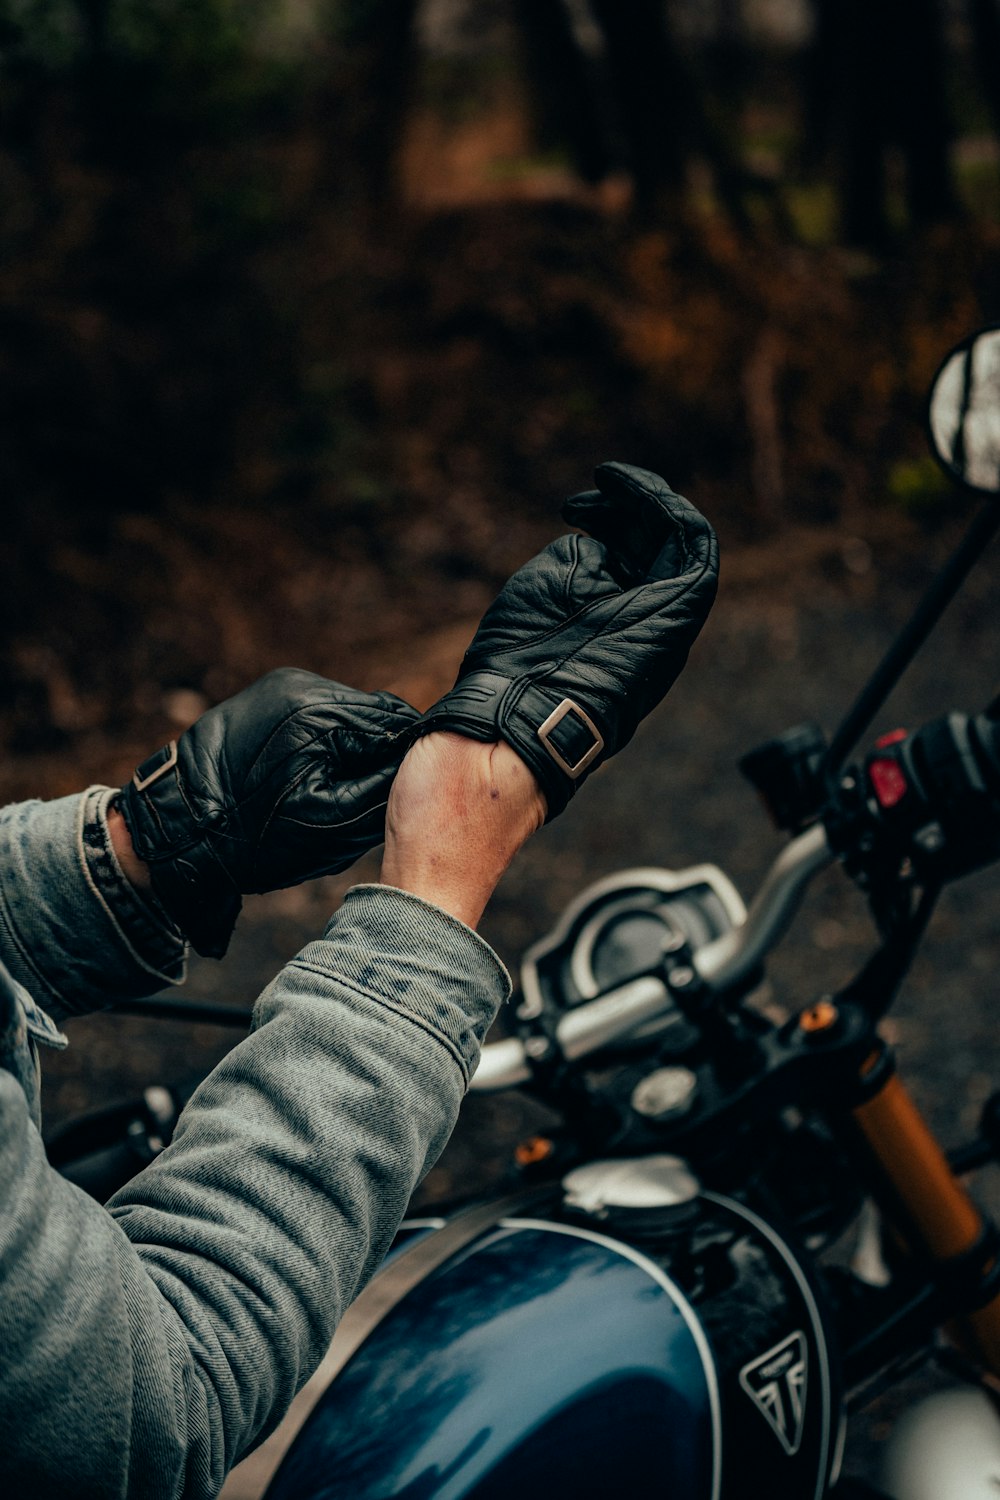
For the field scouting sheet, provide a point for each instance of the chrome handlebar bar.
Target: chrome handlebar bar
(722, 964)
(734, 956)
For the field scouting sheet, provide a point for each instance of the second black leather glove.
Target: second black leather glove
(286, 781)
(587, 637)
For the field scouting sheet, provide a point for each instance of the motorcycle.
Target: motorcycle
(663, 1298)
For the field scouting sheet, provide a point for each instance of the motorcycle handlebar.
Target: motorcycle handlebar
(722, 964)
(948, 769)
(732, 958)
(587, 1028)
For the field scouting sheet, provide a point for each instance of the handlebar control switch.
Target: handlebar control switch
(936, 793)
(926, 803)
(886, 775)
(787, 774)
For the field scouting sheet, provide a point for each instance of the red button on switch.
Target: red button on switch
(892, 738)
(888, 782)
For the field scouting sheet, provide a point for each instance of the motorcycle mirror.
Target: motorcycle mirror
(963, 412)
(963, 423)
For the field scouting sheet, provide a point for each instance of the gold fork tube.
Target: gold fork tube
(935, 1213)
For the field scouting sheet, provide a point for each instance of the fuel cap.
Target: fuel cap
(648, 1195)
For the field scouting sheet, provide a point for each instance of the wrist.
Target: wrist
(458, 813)
(135, 870)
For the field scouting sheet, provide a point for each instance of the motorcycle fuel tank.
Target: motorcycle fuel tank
(548, 1358)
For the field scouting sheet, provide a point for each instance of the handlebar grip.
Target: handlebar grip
(953, 763)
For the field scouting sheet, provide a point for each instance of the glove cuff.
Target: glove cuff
(156, 814)
(187, 880)
(552, 733)
(200, 898)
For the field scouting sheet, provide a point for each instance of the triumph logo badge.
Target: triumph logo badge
(776, 1384)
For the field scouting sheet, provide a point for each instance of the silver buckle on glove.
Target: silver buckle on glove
(142, 782)
(567, 706)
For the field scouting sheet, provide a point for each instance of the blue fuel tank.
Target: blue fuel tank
(547, 1358)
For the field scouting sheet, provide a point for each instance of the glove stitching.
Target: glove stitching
(250, 848)
(605, 629)
(368, 709)
(348, 823)
(568, 590)
(625, 597)
(626, 600)
(253, 849)
(361, 731)
(536, 640)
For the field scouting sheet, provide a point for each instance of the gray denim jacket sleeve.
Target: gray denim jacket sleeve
(73, 931)
(148, 1346)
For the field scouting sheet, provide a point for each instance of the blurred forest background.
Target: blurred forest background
(311, 311)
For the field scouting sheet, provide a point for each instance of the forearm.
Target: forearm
(74, 930)
(206, 1299)
(206, 1296)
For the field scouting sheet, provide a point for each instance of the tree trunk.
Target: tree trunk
(564, 91)
(653, 95)
(878, 81)
(985, 18)
(922, 124)
(368, 95)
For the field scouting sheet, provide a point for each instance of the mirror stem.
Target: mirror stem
(904, 648)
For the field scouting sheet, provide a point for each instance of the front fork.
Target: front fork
(928, 1208)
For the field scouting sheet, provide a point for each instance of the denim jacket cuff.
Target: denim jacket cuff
(156, 943)
(416, 959)
(73, 929)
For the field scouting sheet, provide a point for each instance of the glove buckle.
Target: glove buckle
(544, 732)
(141, 782)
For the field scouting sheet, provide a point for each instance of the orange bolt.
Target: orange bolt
(819, 1017)
(535, 1149)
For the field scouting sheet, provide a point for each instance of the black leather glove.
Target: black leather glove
(587, 637)
(286, 781)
